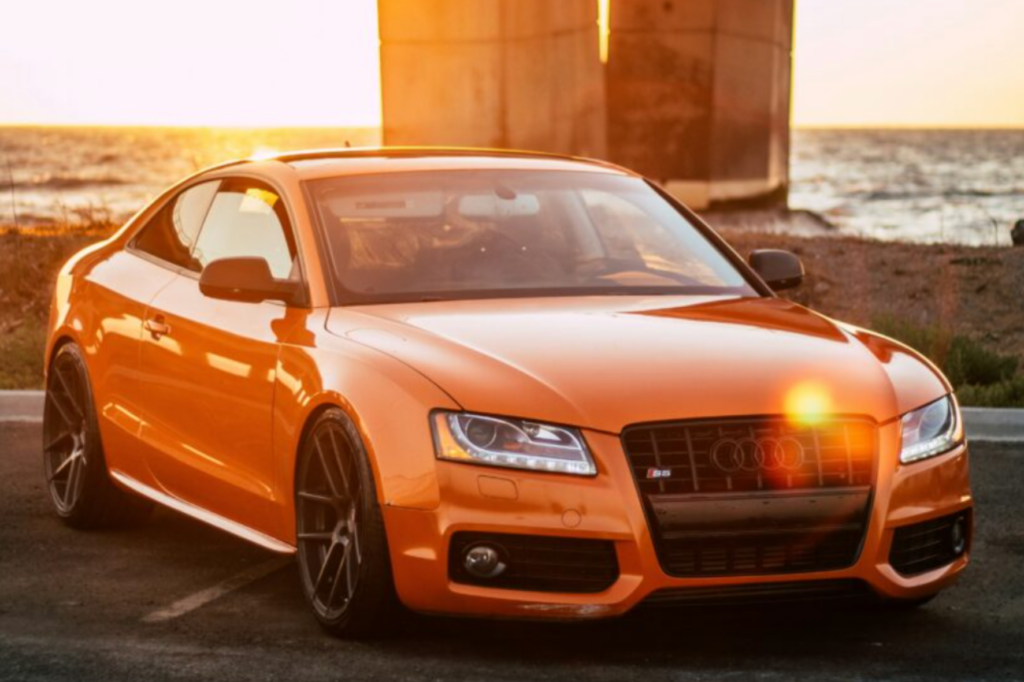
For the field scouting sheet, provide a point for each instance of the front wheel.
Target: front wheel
(343, 553)
(76, 473)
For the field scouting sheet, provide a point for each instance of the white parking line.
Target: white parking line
(20, 419)
(21, 407)
(204, 597)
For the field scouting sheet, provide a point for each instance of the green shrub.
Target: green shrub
(969, 362)
(1008, 393)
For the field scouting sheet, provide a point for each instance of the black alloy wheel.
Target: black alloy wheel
(343, 560)
(76, 474)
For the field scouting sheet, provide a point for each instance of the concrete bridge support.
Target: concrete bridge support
(492, 73)
(698, 96)
(695, 93)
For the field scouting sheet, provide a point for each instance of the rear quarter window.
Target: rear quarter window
(171, 234)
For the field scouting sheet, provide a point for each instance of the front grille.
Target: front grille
(759, 593)
(540, 563)
(925, 546)
(837, 454)
(754, 496)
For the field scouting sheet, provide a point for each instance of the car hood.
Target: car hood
(607, 362)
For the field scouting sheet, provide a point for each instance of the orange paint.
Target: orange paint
(211, 413)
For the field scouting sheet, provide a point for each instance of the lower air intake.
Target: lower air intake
(923, 547)
(538, 563)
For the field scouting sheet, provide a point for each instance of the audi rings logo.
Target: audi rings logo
(735, 455)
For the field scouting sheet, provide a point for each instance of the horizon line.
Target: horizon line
(191, 126)
(378, 127)
(908, 126)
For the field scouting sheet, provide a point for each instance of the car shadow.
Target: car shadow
(782, 630)
(708, 635)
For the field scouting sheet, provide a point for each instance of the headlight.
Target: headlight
(515, 443)
(931, 430)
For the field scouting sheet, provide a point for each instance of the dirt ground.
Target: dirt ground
(974, 291)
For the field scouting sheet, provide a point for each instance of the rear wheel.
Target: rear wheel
(76, 474)
(343, 554)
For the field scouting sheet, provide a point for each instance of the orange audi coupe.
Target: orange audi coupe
(493, 383)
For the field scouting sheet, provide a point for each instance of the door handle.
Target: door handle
(157, 327)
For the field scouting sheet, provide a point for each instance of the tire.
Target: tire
(77, 480)
(343, 552)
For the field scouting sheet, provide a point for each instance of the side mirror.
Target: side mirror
(779, 269)
(245, 279)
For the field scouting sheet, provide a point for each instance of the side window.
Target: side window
(171, 233)
(248, 219)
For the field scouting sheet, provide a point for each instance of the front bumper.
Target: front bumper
(608, 507)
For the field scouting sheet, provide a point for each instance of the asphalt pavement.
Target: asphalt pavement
(175, 600)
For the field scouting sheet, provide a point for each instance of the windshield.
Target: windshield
(493, 233)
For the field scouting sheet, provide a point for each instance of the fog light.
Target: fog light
(483, 561)
(958, 536)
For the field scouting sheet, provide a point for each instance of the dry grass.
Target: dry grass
(977, 292)
(29, 262)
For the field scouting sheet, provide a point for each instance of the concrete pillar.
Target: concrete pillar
(698, 96)
(492, 73)
(695, 94)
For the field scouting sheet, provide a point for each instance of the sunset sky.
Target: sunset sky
(190, 62)
(248, 63)
(909, 62)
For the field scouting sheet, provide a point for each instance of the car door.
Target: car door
(119, 291)
(210, 366)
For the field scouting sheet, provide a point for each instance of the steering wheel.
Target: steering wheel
(595, 268)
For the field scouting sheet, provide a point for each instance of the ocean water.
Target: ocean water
(962, 186)
(75, 173)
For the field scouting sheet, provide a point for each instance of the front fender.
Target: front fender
(388, 401)
(915, 380)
